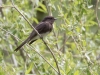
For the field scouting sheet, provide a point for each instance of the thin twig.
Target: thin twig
(75, 42)
(6, 6)
(80, 47)
(44, 59)
(21, 51)
(36, 68)
(64, 42)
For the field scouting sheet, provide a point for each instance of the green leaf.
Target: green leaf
(29, 68)
(42, 8)
(76, 72)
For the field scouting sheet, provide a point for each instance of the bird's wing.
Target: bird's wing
(43, 27)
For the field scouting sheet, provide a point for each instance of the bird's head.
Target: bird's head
(49, 19)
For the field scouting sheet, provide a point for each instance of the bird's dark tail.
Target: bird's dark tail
(24, 42)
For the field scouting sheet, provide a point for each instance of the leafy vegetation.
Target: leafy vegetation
(74, 41)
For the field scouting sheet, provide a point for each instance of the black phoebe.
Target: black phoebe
(43, 28)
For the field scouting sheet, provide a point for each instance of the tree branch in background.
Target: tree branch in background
(96, 13)
(56, 39)
(64, 42)
(21, 51)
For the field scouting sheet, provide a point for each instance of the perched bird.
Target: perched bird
(43, 28)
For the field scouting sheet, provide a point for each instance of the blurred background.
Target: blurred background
(75, 39)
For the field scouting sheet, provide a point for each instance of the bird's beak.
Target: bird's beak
(55, 18)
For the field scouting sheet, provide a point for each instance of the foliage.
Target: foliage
(74, 40)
